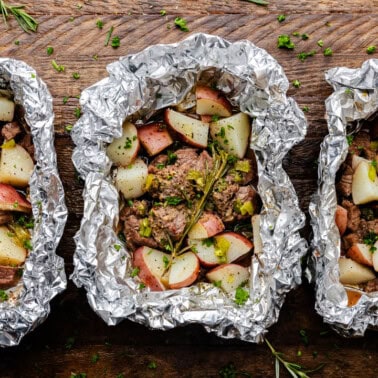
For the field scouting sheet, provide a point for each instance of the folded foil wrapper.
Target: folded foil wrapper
(43, 275)
(355, 98)
(158, 77)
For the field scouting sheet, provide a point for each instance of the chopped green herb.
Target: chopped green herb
(299, 353)
(99, 24)
(95, 57)
(3, 296)
(152, 365)
(134, 272)
(141, 286)
(15, 204)
(214, 118)
(304, 55)
(77, 112)
(95, 358)
(128, 143)
(165, 261)
(370, 239)
(144, 228)
(181, 24)
(117, 247)
(328, 24)
(295, 34)
(71, 19)
(222, 133)
(285, 42)
(163, 12)
(78, 375)
(348, 91)
(27, 244)
(57, 67)
(305, 36)
(257, 2)
(328, 52)
(208, 242)
(232, 159)
(108, 35)
(296, 83)
(241, 296)
(174, 201)
(217, 283)
(116, 42)
(160, 166)
(65, 100)
(68, 128)
(371, 49)
(169, 26)
(16, 42)
(281, 18)
(304, 336)
(49, 50)
(172, 157)
(320, 43)
(305, 109)
(76, 75)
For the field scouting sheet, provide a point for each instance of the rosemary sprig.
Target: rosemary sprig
(26, 22)
(295, 370)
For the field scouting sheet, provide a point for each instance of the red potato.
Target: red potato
(229, 276)
(206, 118)
(154, 137)
(364, 185)
(151, 264)
(341, 219)
(11, 253)
(6, 109)
(12, 200)
(212, 102)
(188, 129)
(205, 253)
(361, 253)
(375, 257)
(353, 273)
(207, 226)
(239, 245)
(184, 270)
(257, 241)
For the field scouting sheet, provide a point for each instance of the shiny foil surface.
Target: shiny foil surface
(158, 77)
(355, 98)
(43, 276)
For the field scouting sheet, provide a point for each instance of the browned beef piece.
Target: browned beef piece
(8, 276)
(354, 215)
(132, 217)
(10, 130)
(344, 186)
(361, 146)
(240, 177)
(371, 286)
(350, 240)
(27, 143)
(171, 180)
(168, 221)
(5, 217)
(357, 237)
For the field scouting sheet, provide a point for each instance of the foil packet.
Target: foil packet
(158, 77)
(355, 98)
(43, 275)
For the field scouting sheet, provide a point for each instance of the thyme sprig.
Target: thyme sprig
(26, 22)
(295, 370)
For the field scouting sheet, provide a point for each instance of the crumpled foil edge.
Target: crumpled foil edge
(355, 97)
(253, 80)
(43, 277)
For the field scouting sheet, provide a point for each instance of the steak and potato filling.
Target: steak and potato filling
(357, 212)
(187, 186)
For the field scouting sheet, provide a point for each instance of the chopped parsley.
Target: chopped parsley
(181, 24)
(208, 242)
(116, 42)
(370, 239)
(304, 55)
(95, 358)
(108, 35)
(99, 24)
(163, 12)
(305, 36)
(305, 109)
(174, 201)
(65, 100)
(134, 272)
(222, 133)
(371, 49)
(141, 286)
(117, 247)
(160, 166)
(328, 52)
(214, 118)
(281, 18)
(50, 50)
(77, 112)
(3, 296)
(232, 159)
(320, 43)
(76, 75)
(27, 244)
(128, 143)
(68, 128)
(284, 42)
(217, 283)
(152, 365)
(172, 157)
(295, 34)
(79, 375)
(165, 261)
(16, 42)
(296, 83)
(241, 296)
(57, 67)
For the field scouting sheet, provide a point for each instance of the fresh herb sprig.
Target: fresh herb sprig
(26, 22)
(258, 2)
(295, 370)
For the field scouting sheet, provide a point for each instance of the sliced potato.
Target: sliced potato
(131, 180)
(11, 253)
(16, 166)
(123, 151)
(6, 109)
(353, 273)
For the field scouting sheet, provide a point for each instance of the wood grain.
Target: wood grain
(348, 27)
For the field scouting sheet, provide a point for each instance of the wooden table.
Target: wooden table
(74, 338)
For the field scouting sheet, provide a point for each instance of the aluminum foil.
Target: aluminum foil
(43, 276)
(355, 98)
(153, 79)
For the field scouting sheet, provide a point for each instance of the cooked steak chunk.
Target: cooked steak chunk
(27, 143)
(354, 215)
(10, 130)
(344, 186)
(371, 286)
(361, 146)
(8, 276)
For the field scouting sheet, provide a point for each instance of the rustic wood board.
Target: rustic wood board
(347, 27)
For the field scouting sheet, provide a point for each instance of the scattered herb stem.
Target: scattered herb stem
(108, 35)
(26, 22)
(258, 2)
